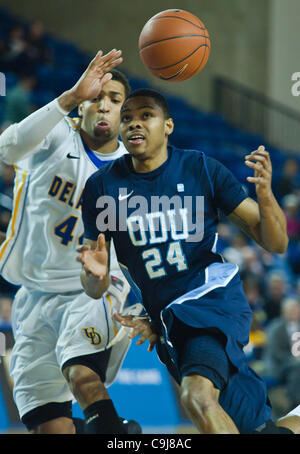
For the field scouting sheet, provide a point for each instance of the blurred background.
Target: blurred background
(242, 99)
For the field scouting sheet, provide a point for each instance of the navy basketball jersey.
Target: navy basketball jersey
(163, 223)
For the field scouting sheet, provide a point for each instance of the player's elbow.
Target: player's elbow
(280, 247)
(283, 248)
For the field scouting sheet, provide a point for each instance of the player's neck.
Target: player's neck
(144, 164)
(105, 147)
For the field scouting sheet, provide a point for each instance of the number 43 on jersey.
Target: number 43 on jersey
(65, 229)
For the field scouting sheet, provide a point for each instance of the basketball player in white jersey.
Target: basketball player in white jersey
(65, 343)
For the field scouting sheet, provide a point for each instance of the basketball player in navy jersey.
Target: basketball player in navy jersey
(161, 209)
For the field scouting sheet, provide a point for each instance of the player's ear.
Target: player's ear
(80, 109)
(169, 126)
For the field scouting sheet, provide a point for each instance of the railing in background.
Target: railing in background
(257, 114)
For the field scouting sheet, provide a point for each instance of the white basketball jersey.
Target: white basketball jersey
(46, 227)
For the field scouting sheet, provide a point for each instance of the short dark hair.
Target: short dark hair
(150, 93)
(120, 77)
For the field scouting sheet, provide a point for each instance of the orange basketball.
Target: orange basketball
(174, 45)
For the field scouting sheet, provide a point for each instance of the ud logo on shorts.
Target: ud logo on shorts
(92, 335)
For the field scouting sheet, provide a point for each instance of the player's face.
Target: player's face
(143, 128)
(101, 115)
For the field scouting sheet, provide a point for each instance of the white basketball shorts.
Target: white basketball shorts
(50, 329)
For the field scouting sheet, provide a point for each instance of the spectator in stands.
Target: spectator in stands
(276, 290)
(254, 297)
(251, 264)
(2, 44)
(5, 310)
(239, 240)
(36, 40)
(18, 104)
(257, 342)
(289, 180)
(290, 205)
(233, 255)
(22, 53)
(279, 362)
(14, 50)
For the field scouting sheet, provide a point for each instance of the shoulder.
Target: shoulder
(201, 160)
(186, 157)
(195, 155)
(212, 163)
(185, 153)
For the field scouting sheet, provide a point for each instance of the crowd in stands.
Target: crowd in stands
(30, 58)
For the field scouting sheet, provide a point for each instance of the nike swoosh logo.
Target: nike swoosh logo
(72, 157)
(125, 196)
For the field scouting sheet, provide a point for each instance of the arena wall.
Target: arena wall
(284, 51)
(238, 30)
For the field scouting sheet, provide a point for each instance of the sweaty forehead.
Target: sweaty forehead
(140, 102)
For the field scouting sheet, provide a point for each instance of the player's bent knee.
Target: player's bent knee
(84, 381)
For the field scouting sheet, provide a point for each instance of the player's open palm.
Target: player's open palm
(95, 261)
(140, 326)
(259, 160)
(96, 75)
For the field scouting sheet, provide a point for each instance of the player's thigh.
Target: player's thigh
(201, 357)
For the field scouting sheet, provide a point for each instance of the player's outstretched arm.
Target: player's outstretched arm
(91, 82)
(94, 257)
(21, 140)
(264, 221)
(140, 327)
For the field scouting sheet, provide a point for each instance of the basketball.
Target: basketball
(174, 45)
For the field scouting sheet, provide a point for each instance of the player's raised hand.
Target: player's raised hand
(259, 160)
(96, 75)
(92, 80)
(141, 326)
(94, 261)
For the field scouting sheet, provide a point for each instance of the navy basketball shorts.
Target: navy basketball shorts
(201, 351)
